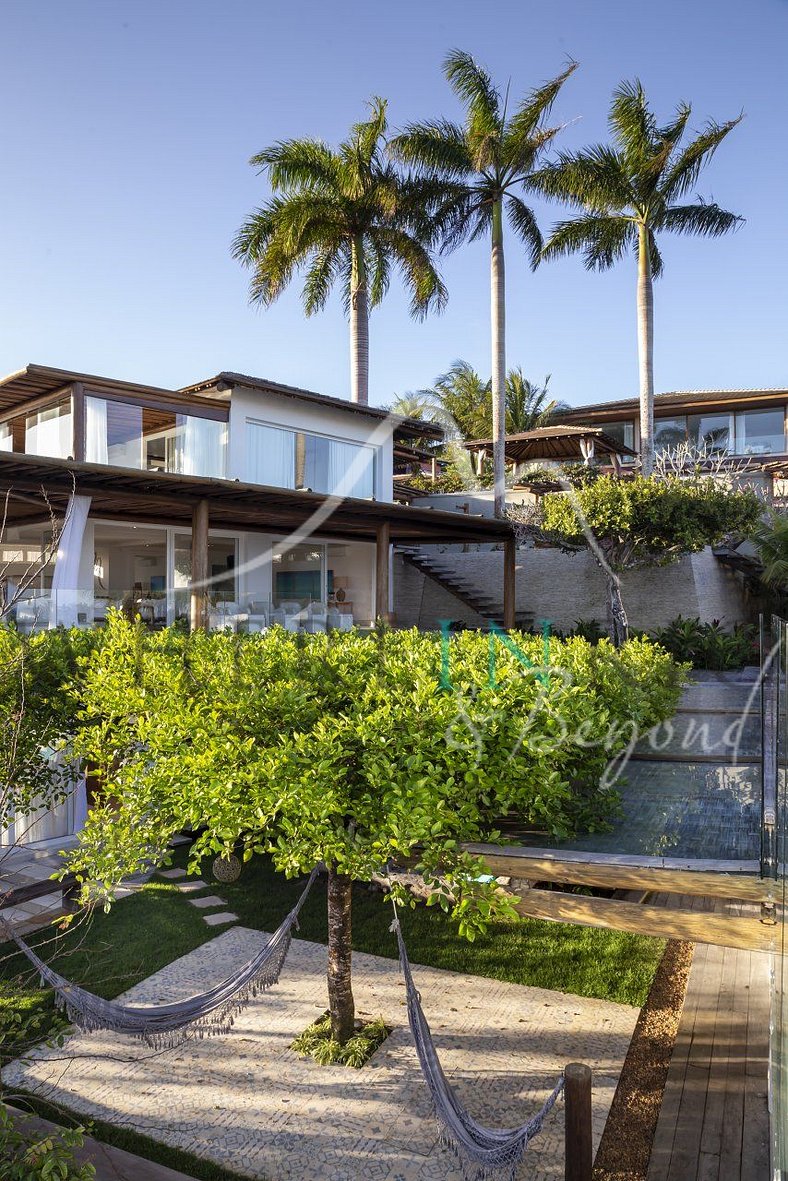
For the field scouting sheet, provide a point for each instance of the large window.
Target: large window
(6, 437)
(669, 433)
(49, 431)
(711, 432)
(622, 433)
(760, 432)
(283, 458)
(151, 438)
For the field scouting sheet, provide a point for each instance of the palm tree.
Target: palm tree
(345, 216)
(528, 405)
(481, 165)
(630, 192)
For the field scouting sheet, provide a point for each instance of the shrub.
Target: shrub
(45, 1157)
(708, 645)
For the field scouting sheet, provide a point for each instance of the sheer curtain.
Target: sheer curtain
(350, 468)
(49, 433)
(201, 446)
(270, 456)
(96, 447)
(65, 580)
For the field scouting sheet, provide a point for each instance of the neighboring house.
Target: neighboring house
(235, 502)
(750, 425)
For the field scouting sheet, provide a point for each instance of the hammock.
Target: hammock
(208, 1013)
(481, 1152)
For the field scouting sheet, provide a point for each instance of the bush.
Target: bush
(708, 645)
(45, 1157)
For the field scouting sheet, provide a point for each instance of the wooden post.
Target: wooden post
(198, 615)
(509, 583)
(78, 421)
(382, 572)
(579, 1152)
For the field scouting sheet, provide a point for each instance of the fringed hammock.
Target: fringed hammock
(205, 1014)
(481, 1152)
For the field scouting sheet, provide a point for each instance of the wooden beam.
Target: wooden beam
(198, 614)
(382, 550)
(509, 582)
(609, 875)
(78, 421)
(658, 921)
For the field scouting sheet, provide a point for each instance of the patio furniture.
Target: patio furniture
(225, 615)
(341, 621)
(316, 616)
(257, 617)
(288, 615)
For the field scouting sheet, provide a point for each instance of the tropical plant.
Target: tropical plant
(630, 192)
(708, 645)
(771, 541)
(346, 216)
(528, 405)
(352, 751)
(644, 521)
(481, 166)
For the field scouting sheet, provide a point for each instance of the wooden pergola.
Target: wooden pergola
(557, 443)
(31, 485)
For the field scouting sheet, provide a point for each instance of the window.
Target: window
(760, 432)
(152, 438)
(294, 459)
(49, 431)
(669, 433)
(622, 433)
(711, 432)
(6, 437)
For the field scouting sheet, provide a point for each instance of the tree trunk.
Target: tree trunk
(646, 352)
(618, 625)
(359, 326)
(340, 992)
(498, 313)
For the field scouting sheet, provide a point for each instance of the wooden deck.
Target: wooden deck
(714, 1124)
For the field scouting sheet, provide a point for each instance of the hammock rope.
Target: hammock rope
(481, 1152)
(205, 1014)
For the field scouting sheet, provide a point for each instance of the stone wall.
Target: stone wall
(564, 588)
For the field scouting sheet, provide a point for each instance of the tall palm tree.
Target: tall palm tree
(482, 165)
(345, 216)
(528, 405)
(629, 193)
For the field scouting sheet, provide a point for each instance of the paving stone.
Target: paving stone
(249, 1103)
(177, 872)
(216, 920)
(210, 900)
(191, 887)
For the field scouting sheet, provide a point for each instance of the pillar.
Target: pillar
(509, 583)
(198, 614)
(383, 543)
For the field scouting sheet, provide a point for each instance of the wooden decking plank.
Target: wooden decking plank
(756, 1141)
(733, 1117)
(711, 1132)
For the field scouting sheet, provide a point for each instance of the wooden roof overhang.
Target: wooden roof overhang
(671, 405)
(554, 442)
(167, 498)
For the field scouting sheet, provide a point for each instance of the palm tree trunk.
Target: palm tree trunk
(359, 326)
(340, 992)
(498, 314)
(646, 352)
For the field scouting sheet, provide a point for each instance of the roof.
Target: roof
(675, 400)
(413, 427)
(160, 497)
(36, 381)
(553, 442)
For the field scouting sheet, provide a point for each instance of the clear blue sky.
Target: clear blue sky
(126, 136)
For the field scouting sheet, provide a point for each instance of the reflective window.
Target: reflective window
(622, 433)
(711, 432)
(760, 432)
(49, 431)
(151, 438)
(6, 437)
(669, 432)
(295, 459)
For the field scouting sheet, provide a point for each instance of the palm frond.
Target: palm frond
(474, 87)
(686, 169)
(705, 218)
(601, 239)
(439, 147)
(632, 124)
(321, 278)
(301, 163)
(594, 178)
(531, 112)
(414, 262)
(524, 224)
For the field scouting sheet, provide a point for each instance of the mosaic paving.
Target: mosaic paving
(247, 1101)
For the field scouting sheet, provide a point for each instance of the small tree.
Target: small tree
(644, 521)
(350, 751)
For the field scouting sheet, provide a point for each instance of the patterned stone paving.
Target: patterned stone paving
(248, 1102)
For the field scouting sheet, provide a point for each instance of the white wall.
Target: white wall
(307, 416)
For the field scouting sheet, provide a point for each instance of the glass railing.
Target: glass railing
(775, 865)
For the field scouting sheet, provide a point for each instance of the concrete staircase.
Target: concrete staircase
(441, 569)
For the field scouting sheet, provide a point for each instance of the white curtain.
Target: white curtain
(350, 469)
(49, 433)
(65, 580)
(96, 450)
(270, 456)
(201, 446)
(6, 439)
(61, 820)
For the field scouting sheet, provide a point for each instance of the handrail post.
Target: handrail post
(579, 1150)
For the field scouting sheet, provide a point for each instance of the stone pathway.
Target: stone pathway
(204, 902)
(247, 1101)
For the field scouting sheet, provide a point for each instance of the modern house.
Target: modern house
(749, 425)
(234, 502)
